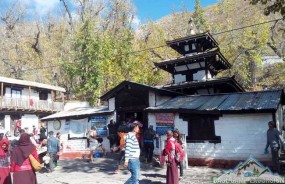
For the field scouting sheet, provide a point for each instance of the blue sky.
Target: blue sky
(155, 9)
(146, 9)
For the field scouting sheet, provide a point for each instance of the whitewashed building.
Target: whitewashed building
(26, 102)
(74, 122)
(221, 122)
(222, 129)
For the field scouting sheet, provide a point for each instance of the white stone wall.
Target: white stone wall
(179, 123)
(111, 103)
(28, 120)
(155, 99)
(75, 104)
(77, 145)
(242, 135)
(7, 124)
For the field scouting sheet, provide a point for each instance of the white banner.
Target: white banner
(78, 128)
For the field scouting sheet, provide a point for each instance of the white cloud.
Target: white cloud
(41, 7)
(136, 22)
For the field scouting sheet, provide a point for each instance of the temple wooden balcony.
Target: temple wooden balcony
(18, 104)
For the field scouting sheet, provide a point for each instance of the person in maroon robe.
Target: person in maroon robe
(5, 177)
(21, 167)
(169, 152)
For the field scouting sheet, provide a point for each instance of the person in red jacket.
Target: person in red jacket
(5, 177)
(169, 152)
(21, 167)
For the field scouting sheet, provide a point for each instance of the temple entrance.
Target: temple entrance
(130, 104)
(130, 116)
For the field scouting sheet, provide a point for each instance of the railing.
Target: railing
(30, 104)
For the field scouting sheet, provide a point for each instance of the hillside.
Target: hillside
(243, 47)
(99, 50)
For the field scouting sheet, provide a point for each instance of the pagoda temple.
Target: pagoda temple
(194, 72)
(222, 124)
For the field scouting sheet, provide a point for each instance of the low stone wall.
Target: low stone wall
(219, 163)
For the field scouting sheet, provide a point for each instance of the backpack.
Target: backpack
(179, 153)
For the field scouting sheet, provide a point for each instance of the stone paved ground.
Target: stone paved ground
(80, 171)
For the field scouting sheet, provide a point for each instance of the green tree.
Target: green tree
(199, 19)
(243, 48)
(86, 68)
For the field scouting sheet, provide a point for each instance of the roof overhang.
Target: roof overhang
(226, 81)
(215, 60)
(80, 112)
(129, 85)
(31, 84)
(204, 39)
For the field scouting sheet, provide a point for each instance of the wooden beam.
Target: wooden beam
(2, 89)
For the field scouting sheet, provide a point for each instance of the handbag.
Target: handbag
(35, 164)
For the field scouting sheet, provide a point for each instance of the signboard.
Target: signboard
(100, 122)
(164, 118)
(161, 130)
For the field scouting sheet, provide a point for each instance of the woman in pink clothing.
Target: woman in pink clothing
(21, 167)
(5, 177)
(169, 152)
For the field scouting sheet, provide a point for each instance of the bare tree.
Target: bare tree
(70, 22)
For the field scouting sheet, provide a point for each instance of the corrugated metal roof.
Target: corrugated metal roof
(30, 83)
(81, 111)
(244, 101)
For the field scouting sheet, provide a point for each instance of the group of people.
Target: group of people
(15, 161)
(131, 149)
(132, 155)
(15, 165)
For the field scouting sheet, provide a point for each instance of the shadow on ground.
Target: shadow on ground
(146, 181)
(107, 165)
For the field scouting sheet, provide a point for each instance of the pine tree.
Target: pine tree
(199, 18)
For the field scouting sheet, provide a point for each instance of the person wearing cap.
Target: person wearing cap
(132, 154)
(52, 149)
(273, 140)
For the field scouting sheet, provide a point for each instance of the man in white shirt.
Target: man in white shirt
(132, 154)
